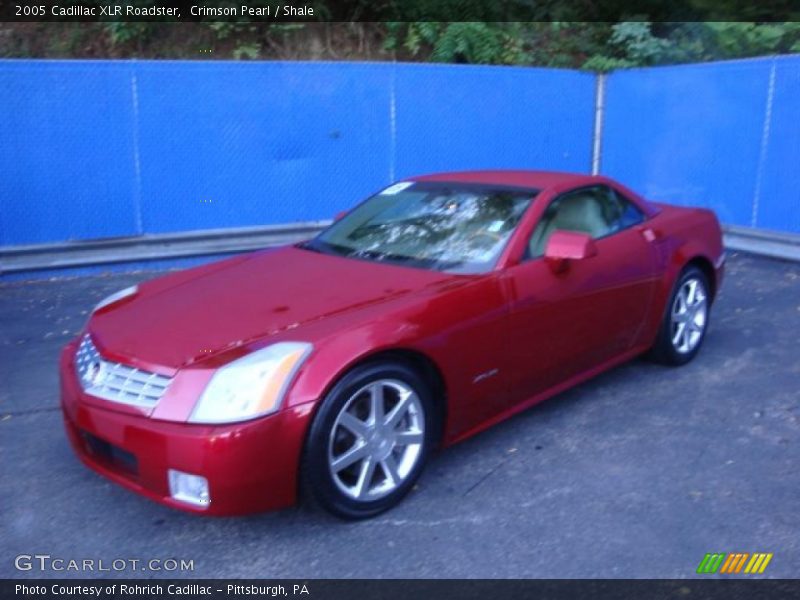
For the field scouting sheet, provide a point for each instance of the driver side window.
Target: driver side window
(598, 211)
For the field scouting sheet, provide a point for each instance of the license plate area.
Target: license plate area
(110, 455)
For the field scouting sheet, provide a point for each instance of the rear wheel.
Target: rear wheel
(369, 441)
(685, 321)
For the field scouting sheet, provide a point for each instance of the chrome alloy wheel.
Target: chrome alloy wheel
(376, 439)
(689, 315)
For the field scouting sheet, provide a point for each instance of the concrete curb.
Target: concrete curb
(761, 242)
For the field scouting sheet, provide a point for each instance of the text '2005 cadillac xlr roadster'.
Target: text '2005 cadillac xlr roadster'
(432, 310)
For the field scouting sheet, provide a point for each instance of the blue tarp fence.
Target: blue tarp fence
(723, 135)
(98, 149)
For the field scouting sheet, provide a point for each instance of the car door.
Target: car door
(563, 324)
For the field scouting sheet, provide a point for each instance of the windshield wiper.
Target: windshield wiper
(325, 248)
(307, 246)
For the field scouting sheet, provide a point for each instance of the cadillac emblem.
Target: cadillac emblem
(96, 373)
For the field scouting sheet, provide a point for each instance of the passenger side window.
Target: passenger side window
(598, 211)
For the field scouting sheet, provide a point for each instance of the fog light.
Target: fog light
(189, 488)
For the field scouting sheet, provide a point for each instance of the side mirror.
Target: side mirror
(339, 215)
(564, 246)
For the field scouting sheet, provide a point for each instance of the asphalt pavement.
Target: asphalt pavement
(637, 473)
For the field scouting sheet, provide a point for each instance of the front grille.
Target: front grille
(117, 382)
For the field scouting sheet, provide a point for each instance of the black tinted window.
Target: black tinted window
(621, 212)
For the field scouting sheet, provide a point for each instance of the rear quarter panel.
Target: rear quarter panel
(683, 235)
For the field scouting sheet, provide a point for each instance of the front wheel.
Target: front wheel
(685, 321)
(369, 441)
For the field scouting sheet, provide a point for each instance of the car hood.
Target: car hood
(185, 317)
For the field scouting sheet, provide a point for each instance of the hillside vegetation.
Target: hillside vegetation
(585, 45)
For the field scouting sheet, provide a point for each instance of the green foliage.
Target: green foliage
(734, 40)
(566, 44)
(605, 64)
(593, 46)
(222, 29)
(491, 36)
(123, 32)
(470, 42)
(636, 40)
(460, 42)
(631, 44)
(251, 51)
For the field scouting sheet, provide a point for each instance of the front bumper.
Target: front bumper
(250, 467)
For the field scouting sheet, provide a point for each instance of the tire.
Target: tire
(354, 468)
(688, 311)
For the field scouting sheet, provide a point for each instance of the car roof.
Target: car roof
(518, 178)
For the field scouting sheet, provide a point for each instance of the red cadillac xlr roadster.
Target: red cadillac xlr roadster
(432, 310)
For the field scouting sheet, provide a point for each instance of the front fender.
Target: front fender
(458, 330)
(336, 356)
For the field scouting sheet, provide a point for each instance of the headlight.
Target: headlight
(251, 386)
(116, 297)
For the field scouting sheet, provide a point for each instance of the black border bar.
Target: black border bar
(302, 11)
(713, 588)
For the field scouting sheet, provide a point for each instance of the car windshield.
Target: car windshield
(454, 227)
